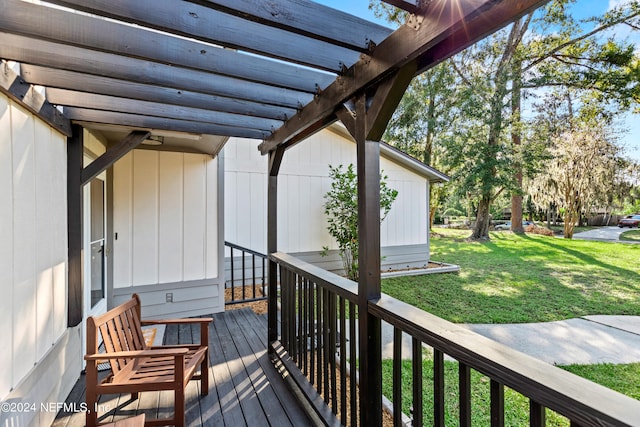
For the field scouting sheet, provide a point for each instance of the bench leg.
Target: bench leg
(179, 414)
(91, 414)
(204, 375)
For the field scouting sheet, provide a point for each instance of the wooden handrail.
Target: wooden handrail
(582, 401)
(570, 395)
(339, 285)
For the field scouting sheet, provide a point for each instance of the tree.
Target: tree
(545, 49)
(341, 208)
(422, 121)
(425, 115)
(579, 173)
(583, 164)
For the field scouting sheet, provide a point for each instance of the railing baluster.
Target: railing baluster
(233, 283)
(319, 329)
(333, 338)
(292, 316)
(291, 324)
(326, 343)
(416, 361)
(253, 275)
(397, 377)
(312, 332)
(464, 384)
(244, 279)
(284, 297)
(497, 404)
(300, 326)
(305, 331)
(438, 388)
(263, 276)
(352, 363)
(343, 361)
(537, 416)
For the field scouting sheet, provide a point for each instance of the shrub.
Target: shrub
(341, 208)
(534, 229)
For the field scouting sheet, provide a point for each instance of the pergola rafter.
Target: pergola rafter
(72, 80)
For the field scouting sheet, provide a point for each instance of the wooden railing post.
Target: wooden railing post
(275, 159)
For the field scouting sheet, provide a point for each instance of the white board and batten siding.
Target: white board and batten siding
(167, 224)
(303, 182)
(37, 348)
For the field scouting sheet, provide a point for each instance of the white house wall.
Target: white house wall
(166, 218)
(33, 256)
(303, 181)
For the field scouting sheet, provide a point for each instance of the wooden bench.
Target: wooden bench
(137, 367)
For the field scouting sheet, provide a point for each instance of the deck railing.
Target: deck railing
(246, 273)
(319, 311)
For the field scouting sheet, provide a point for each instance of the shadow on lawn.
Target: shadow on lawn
(633, 275)
(519, 280)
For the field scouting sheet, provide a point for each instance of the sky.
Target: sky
(630, 123)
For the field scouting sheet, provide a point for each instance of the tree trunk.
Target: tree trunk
(427, 156)
(432, 213)
(483, 219)
(516, 212)
(570, 219)
(516, 196)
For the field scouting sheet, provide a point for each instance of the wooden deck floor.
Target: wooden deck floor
(245, 387)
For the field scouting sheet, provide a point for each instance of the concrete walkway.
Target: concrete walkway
(604, 234)
(586, 340)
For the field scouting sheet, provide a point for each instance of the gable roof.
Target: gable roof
(275, 71)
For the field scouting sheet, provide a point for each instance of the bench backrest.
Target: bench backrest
(120, 330)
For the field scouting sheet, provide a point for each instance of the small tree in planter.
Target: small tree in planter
(341, 208)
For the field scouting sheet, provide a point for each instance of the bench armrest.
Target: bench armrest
(136, 354)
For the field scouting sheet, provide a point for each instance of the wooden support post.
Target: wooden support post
(275, 159)
(368, 165)
(373, 110)
(75, 147)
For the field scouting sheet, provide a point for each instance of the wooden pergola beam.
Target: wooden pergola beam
(64, 79)
(148, 122)
(307, 18)
(146, 108)
(411, 6)
(54, 55)
(440, 20)
(213, 26)
(42, 22)
(12, 85)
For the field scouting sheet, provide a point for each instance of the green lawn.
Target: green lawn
(630, 236)
(521, 278)
(524, 278)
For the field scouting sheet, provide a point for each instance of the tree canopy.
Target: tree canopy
(471, 115)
